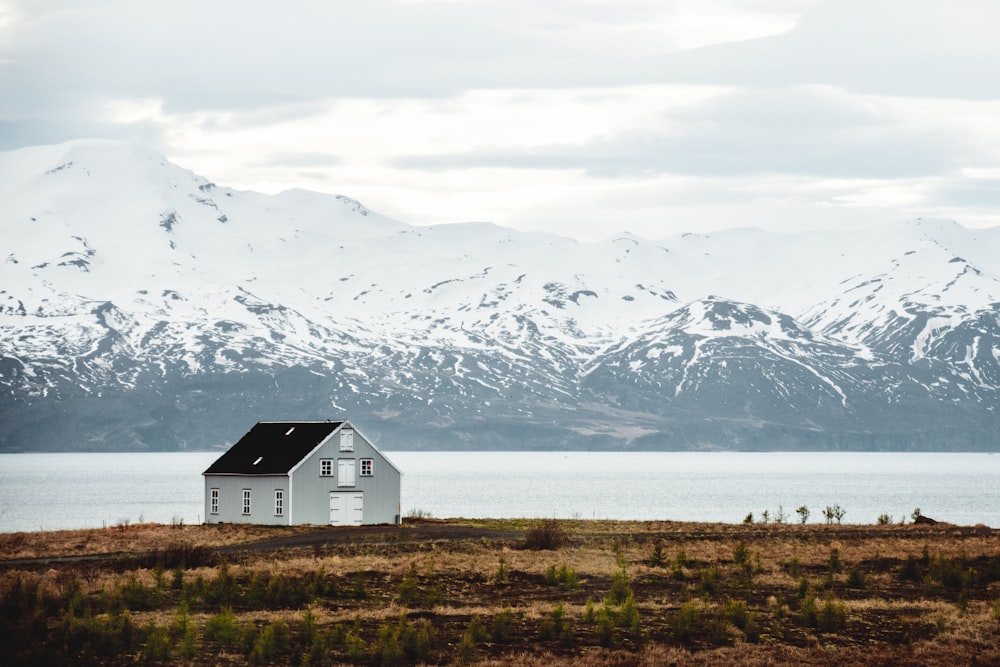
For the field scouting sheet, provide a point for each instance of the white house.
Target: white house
(291, 473)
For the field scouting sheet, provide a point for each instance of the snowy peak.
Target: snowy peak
(149, 307)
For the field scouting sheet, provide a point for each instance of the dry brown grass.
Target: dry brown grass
(133, 538)
(888, 620)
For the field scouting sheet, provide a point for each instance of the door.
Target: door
(345, 472)
(346, 509)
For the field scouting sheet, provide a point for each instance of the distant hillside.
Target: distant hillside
(143, 307)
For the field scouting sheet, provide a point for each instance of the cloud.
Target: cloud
(40, 130)
(804, 131)
(299, 160)
(918, 48)
(237, 54)
(584, 117)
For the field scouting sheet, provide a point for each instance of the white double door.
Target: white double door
(346, 508)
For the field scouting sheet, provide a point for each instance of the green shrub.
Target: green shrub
(388, 649)
(402, 642)
(135, 595)
(949, 572)
(909, 570)
(834, 560)
(466, 649)
(780, 608)
(317, 651)
(831, 616)
(563, 575)
(628, 617)
(780, 516)
(358, 591)
(621, 588)
(177, 579)
(589, 614)
(719, 630)
(477, 629)
(223, 629)
(502, 625)
(307, 628)
(475, 633)
(187, 646)
(222, 590)
(708, 580)
(803, 588)
(409, 588)
(687, 622)
(735, 612)
(557, 626)
(104, 636)
(156, 648)
(803, 513)
(856, 578)
(272, 642)
(751, 633)
(502, 575)
(182, 621)
(568, 578)
(658, 558)
(807, 611)
(356, 648)
(741, 553)
(677, 566)
(605, 627)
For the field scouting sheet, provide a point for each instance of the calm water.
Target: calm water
(54, 491)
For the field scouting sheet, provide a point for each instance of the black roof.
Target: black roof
(272, 448)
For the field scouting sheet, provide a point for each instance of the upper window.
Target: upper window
(279, 502)
(346, 440)
(213, 505)
(367, 468)
(246, 501)
(326, 467)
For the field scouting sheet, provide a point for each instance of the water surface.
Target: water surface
(55, 491)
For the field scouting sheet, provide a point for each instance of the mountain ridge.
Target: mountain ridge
(143, 306)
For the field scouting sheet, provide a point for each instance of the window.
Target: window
(367, 467)
(345, 472)
(279, 502)
(213, 503)
(326, 467)
(246, 501)
(347, 440)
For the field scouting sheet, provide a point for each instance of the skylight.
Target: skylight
(289, 431)
(259, 459)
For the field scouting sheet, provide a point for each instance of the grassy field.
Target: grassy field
(503, 592)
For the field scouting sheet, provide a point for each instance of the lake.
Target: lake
(85, 490)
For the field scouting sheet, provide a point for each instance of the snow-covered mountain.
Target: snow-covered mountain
(142, 306)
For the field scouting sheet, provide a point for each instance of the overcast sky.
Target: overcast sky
(580, 117)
